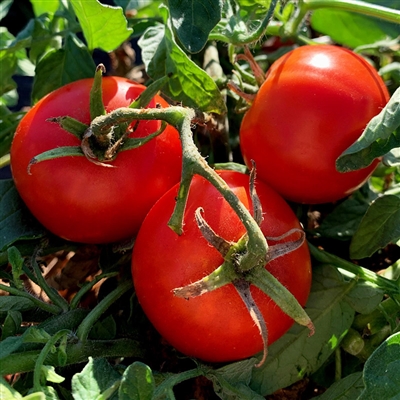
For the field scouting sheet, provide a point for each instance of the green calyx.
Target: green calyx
(102, 144)
(243, 272)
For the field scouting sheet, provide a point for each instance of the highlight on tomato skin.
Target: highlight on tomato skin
(77, 199)
(215, 326)
(315, 102)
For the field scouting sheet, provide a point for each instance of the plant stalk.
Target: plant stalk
(76, 353)
(87, 324)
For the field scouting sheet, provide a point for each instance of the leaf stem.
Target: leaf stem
(87, 324)
(362, 7)
(50, 292)
(357, 6)
(77, 352)
(37, 387)
(51, 308)
(167, 385)
(390, 287)
(87, 287)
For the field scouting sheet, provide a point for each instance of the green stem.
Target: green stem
(50, 292)
(338, 364)
(76, 353)
(87, 324)
(390, 287)
(87, 287)
(4, 160)
(37, 387)
(172, 381)
(360, 7)
(193, 163)
(51, 308)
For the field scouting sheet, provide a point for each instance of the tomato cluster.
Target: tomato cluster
(315, 102)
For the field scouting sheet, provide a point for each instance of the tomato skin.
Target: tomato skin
(216, 326)
(314, 103)
(77, 199)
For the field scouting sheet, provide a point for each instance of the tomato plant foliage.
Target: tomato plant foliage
(72, 323)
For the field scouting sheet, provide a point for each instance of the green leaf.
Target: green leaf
(51, 375)
(193, 21)
(10, 345)
(44, 6)
(15, 303)
(365, 297)
(4, 8)
(46, 393)
(43, 39)
(59, 67)
(36, 335)
(137, 383)
(35, 396)
(104, 26)
(381, 135)
(348, 388)
(97, 377)
(343, 221)
(244, 22)
(16, 223)
(295, 354)
(379, 227)
(105, 329)
(232, 381)
(17, 263)
(7, 392)
(353, 29)
(12, 324)
(8, 65)
(381, 371)
(187, 83)
(8, 123)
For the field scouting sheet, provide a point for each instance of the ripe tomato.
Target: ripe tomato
(216, 326)
(77, 199)
(314, 103)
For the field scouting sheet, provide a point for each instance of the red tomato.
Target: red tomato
(77, 199)
(314, 103)
(216, 326)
